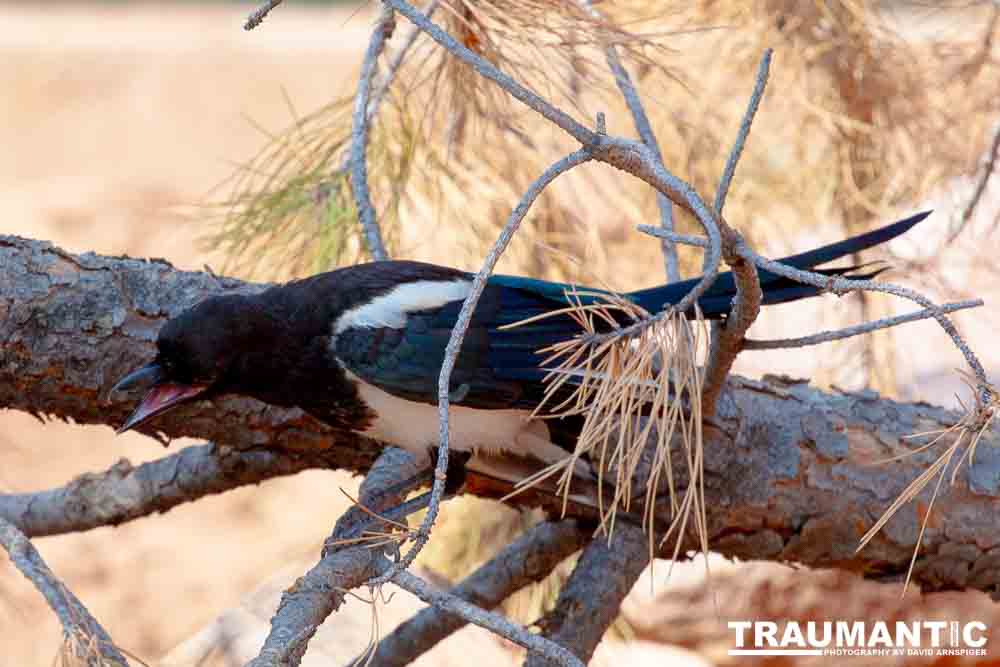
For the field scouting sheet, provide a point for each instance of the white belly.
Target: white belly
(414, 427)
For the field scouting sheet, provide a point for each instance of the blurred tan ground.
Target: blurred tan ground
(110, 118)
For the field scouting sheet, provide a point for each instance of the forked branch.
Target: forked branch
(322, 590)
(528, 559)
(727, 338)
(590, 600)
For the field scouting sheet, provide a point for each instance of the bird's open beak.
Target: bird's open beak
(162, 396)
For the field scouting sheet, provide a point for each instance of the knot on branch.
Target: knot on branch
(733, 244)
(625, 158)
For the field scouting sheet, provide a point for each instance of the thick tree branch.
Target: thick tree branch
(72, 325)
(591, 598)
(791, 473)
(125, 492)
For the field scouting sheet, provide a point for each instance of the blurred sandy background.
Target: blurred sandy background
(111, 118)
(114, 120)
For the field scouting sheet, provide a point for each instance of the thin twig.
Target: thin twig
(485, 619)
(487, 70)
(635, 158)
(528, 559)
(645, 130)
(686, 239)
(856, 330)
(397, 62)
(763, 71)
(977, 195)
(458, 335)
(258, 15)
(72, 614)
(839, 285)
(386, 83)
(359, 135)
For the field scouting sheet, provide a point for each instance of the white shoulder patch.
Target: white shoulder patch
(390, 309)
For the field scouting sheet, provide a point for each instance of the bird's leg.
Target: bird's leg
(457, 471)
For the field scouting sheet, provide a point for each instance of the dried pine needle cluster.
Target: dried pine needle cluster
(612, 379)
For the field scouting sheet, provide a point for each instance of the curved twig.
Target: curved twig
(359, 135)
(458, 334)
(635, 158)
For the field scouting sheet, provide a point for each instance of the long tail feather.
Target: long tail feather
(717, 300)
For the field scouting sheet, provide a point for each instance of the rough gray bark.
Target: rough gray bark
(589, 601)
(790, 471)
(72, 325)
(125, 492)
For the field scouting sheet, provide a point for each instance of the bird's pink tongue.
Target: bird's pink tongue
(158, 400)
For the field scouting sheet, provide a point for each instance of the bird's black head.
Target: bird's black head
(200, 353)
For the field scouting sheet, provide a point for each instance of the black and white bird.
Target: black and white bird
(361, 348)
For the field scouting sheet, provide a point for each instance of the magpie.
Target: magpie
(360, 348)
